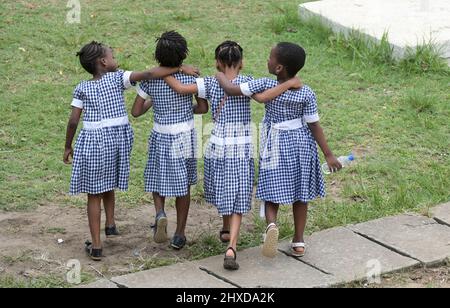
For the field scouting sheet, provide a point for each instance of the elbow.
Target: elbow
(229, 92)
(135, 114)
(201, 109)
(314, 125)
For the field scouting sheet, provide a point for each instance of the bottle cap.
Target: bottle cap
(351, 157)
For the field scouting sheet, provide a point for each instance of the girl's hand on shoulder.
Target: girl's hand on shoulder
(295, 83)
(333, 163)
(190, 70)
(67, 154)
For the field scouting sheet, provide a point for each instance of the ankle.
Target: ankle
(298, 239)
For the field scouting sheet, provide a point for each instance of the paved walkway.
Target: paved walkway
(335, 256)
(408, 22)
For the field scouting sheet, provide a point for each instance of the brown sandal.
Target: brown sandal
(229, 263)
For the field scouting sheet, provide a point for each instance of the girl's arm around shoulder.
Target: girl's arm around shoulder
(161, 72)
(271, 94)
(229, 88)
(179, 87)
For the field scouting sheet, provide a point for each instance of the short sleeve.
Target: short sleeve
(201, 87)
(143, 90)
(122, 79)
(310, 109)
(204, 86)
(78, 98)
(256, 86)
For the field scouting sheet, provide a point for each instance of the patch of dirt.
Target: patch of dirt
(438, 277)
(29, 241)
(362, 151)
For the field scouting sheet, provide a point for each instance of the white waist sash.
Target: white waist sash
(274, 156)
(289, 125)
(106, 123)
(230, 141)
(174, 129)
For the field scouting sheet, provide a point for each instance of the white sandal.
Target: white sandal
(295, 253)
(270, 246)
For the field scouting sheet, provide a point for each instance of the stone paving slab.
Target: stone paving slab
(349, 256)
(416, 236)
(408, 22)
(257, 271)
(182, 275)
(100, 284)
(442, 213)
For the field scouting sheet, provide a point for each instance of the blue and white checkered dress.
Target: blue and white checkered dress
(289, 168)
(229, 169)
(102, 156)
(172, 164)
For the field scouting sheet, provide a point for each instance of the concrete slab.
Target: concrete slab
(257, 271)
(408, 22)
(100, 284)
(416, 236)
(442, 214)
(349, 256)
(182, 275)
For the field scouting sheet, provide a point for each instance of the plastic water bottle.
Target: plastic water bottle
(344, 160)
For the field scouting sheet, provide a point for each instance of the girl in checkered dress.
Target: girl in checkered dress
(102, 152)
(289, 165)
(172, 165)
(229, 163)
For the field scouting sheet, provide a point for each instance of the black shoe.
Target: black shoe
(94, 254)
(178, 242)
(111, 232)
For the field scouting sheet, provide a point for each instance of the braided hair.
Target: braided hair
(171, 49)
(229, 53)
(89, 54)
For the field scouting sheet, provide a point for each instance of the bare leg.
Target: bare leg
(271, 212)
(271, 237)
(235, 227)
(159, 202)
(109, 202)
(182, 205)
(300, 210)
(226, 227)
(94, 212)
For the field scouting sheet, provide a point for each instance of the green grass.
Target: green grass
(393, 115)
(424, 58)
(48, 281)
(148, 263)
